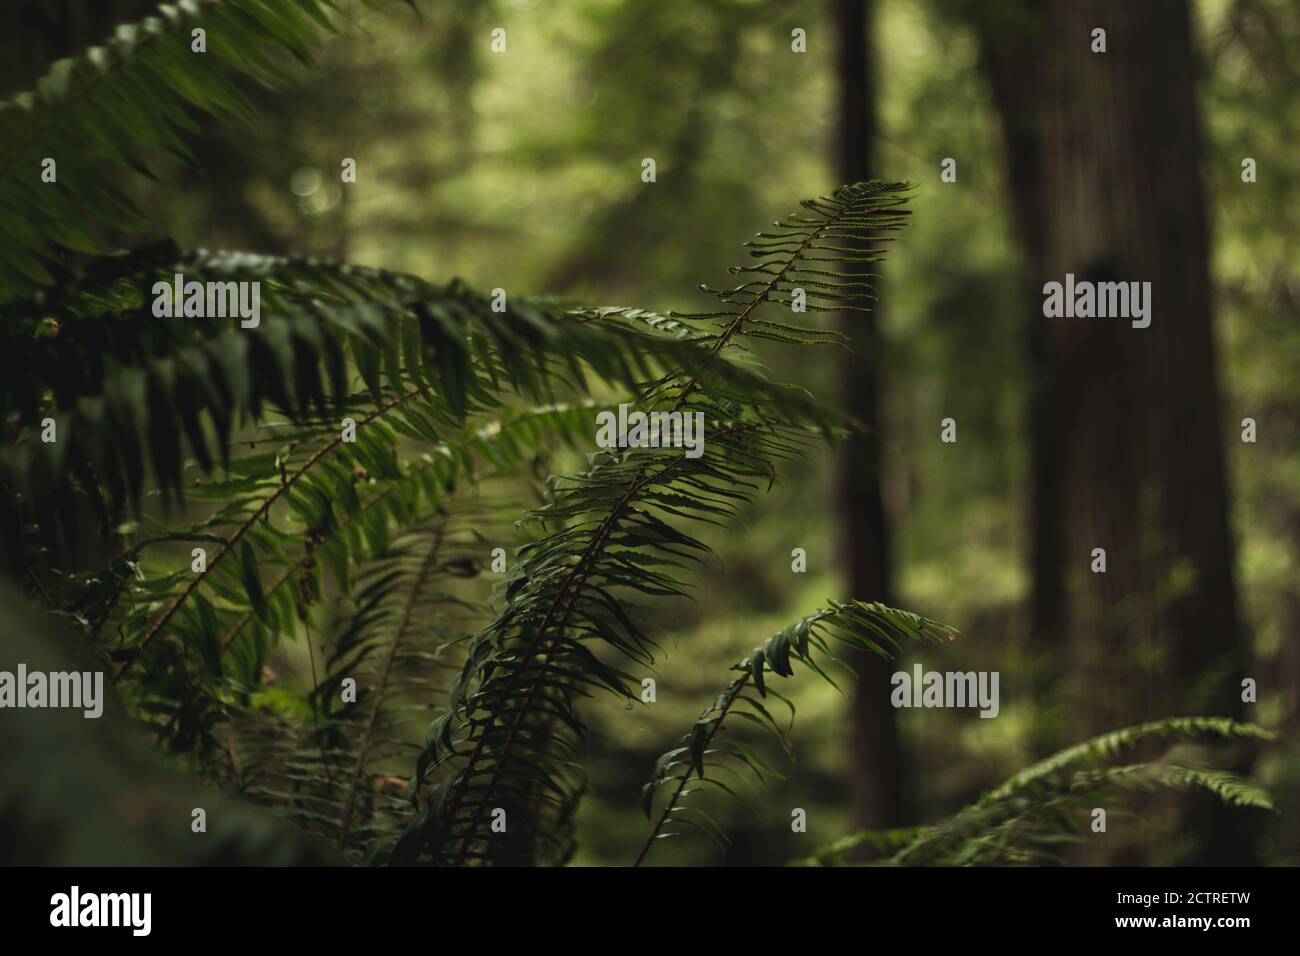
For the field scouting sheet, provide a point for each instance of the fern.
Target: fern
(443, 389)
(855, 625)
(192, 633)
(1105, 746)
(336, 774)
(1023, 820)
(433, 354)
(83, 807)
(508, 741)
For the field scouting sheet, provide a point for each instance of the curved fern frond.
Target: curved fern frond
(1233, 789)
(1106, 746)
(506, 745)
(141, 401)
(511, 733)
(854, 625)
(1023, 820)
(793, 266)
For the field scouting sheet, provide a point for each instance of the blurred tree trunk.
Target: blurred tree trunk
(1008, 51)
(1103, 152)
(877, 760)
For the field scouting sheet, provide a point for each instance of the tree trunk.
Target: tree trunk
(877, 759)
(1103, 152)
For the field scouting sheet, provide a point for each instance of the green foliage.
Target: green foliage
(337, 775)
(78, 792)
(844, 229)
(126, 394)
(511, 738)
(410, 363)
(99, 115)
(855, 625)
(372, 550)
(196, 642)
(1047, 805)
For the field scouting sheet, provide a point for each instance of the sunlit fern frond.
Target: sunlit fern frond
(813, 261)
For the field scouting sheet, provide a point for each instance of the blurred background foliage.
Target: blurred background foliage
(523, 171)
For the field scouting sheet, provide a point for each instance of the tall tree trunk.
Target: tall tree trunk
(1011, 63)
(877, 759)
(1103, 152)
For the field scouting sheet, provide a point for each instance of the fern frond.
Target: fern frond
(1233, 789)
(432, 353)
(1105, 746)
(512, 730)
(847, 227)
(855, 625)
(94, 777)
(883, 842)
(1023, 820)
(508, 742)
(192, 635)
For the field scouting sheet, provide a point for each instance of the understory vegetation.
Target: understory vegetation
(398, 477)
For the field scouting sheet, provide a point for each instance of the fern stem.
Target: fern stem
(315, 709)
(243, 529)
(229, 637)
(732, 693)
(363, 748)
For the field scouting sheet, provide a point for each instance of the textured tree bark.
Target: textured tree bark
(877, 765)
(1011, 64)
(1103, 158)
